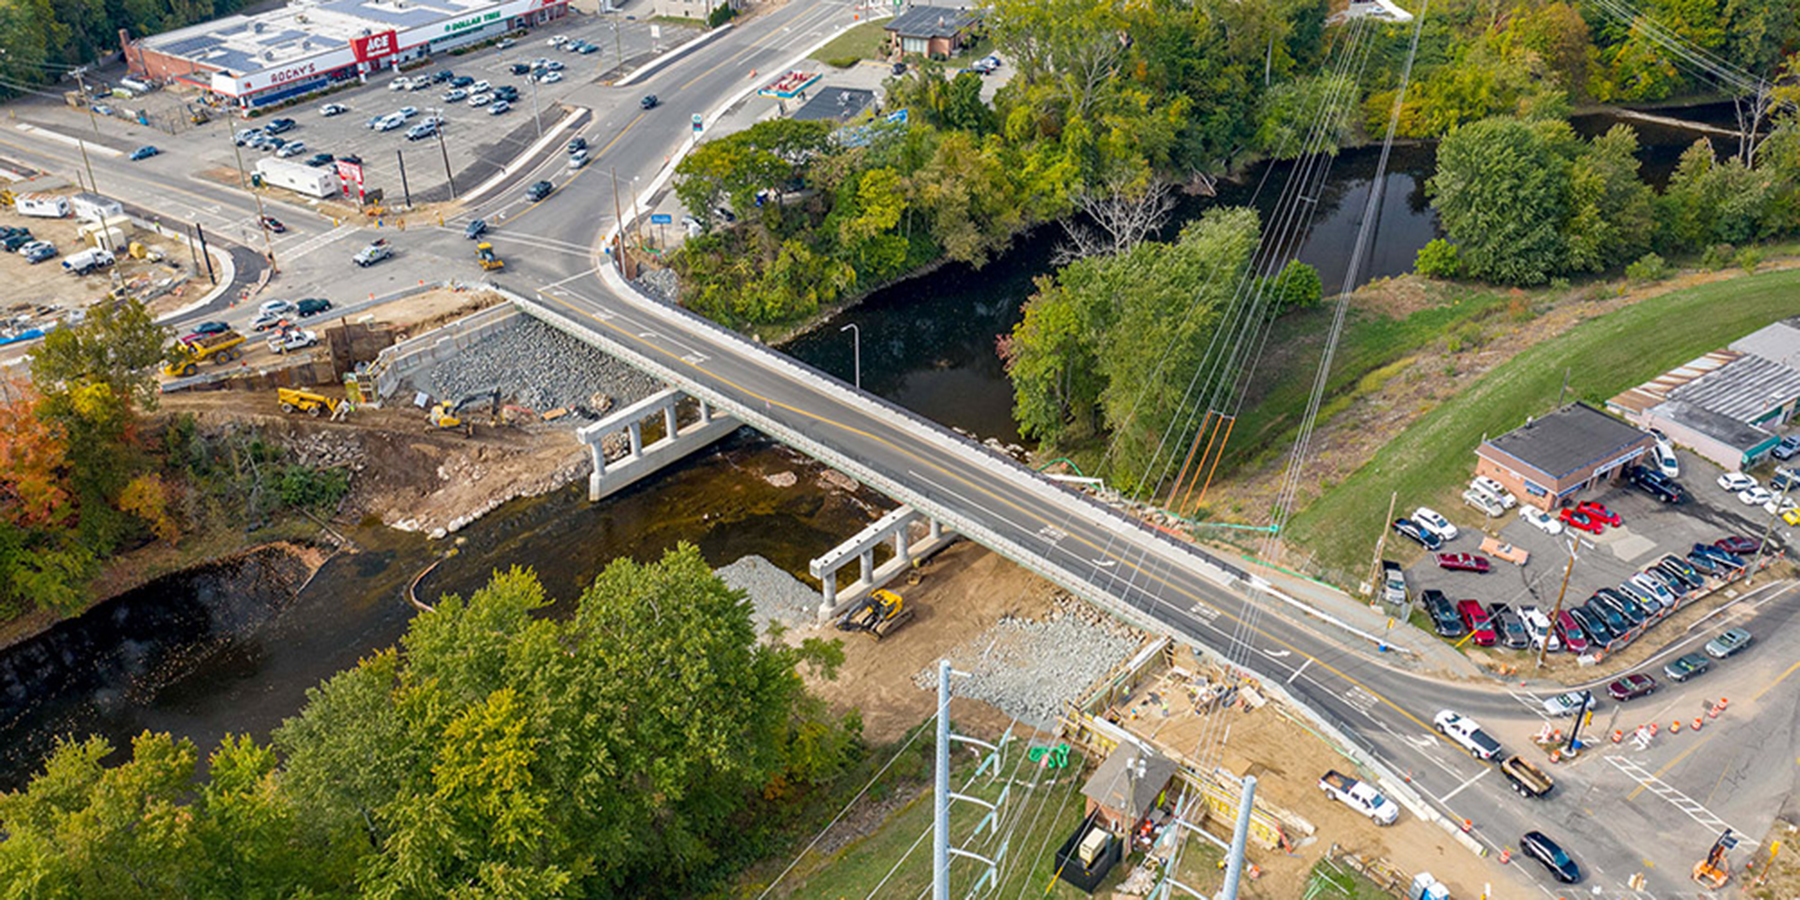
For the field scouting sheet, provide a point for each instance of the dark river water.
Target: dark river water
(204, 653)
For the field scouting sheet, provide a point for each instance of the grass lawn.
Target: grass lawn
(1332, 882)
(1033, 822)
(861, 42)
(1430, 461)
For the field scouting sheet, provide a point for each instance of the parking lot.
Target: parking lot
(476, 143)
(1649, 531)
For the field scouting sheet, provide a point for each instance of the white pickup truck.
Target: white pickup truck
(1360, 796)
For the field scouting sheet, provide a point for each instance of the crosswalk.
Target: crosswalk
(1693, 808)
(317, 241)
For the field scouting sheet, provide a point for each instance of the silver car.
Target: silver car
(1730, 642)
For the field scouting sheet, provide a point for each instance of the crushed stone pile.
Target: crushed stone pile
(775, 596)
(538, 367)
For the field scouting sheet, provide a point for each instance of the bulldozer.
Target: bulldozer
(484, 254)
(878, 615)
(449, 415)
(1715, 870)
(294, 400)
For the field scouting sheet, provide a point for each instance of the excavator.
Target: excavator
(484, 254)
(449, 415)
(1715, 870)
(878, 615)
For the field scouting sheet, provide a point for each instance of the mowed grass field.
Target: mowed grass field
(1434, 457)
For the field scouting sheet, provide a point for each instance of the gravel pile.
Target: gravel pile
(775, 596)
(1034, 669)
(537, 367)
(659, 284)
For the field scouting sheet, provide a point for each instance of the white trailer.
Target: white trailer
(303, 179)
(94, 207)
(45, 206)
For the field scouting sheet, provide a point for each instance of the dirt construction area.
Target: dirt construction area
(48, 284)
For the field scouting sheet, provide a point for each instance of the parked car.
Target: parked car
(1683, 568)
(1552, 855)
(333, 109)
(499, 107)
(1726, 559)
(649, 102)
(1705, 564)
(1666, 463)
(289, 339)
(1467, 734)
(1495, 490)
(1443, 614)
(38, 251)
(475, 229)
(421, 132)
(1538, 627)
(519, 68)
(1755, 496)
(1788, 448)
(391, 122)
(1686, 666)
(1730, 642)
(1508, 626)
(551, 77)
(480, 87)
(1409, 529)
(1655, 484)
(554, 65)
(1671, 582)
(455, 95)
(1736, 482)
(1599, 513)
(1428, 519)
(320, 159)
(1487, 504)
(1738, 544)
(1540, 520)
(1654, 588)
(244, 137)
(539, 190)
(1580, 521)
(312, 306)
(1605, 625)
(1393, 583)
(291, 149)
(279, 126)
(480, 99)
(144, 152)
(1463, 562)
(1573, 637)
(1631, 687)
(1476, 620)
(203, 329)
(402, 83)
(263, 321)
(441, 76)
(407, 112)
(461, 81)
(1567, 704)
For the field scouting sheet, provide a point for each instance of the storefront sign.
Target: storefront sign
(375, 46)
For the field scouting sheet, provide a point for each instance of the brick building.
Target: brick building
(1547, 461)
(938, 32)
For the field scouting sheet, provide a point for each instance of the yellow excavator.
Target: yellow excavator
(314, 404)
(484, 254)
(878, 615)
(449, 415)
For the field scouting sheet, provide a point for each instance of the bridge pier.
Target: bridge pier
(641, 460)
(897, 527)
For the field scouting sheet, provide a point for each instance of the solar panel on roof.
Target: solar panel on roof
(188, 46)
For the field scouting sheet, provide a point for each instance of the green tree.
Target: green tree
(1289, 122)
(1501, 192)
(1612, 212)
(1439, 259)
(1296, 286)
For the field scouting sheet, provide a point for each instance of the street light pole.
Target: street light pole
(534, 108)
(856, 349)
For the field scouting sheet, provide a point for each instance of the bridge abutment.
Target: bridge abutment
(640, 459)
(896, 527)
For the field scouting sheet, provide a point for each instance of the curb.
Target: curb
(650, 67)
(526, 156)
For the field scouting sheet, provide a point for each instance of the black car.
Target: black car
(476, 229)
(462, 81)
(539, 190)
(1443, 613)
(441, 76)
(1656, 484)
(506, 92)
(1704, 563)
(649, 101)
(518, 68)
(1680, 568)
(211, 328)
(320, 159)
(277, 126)
(1725, 558)
(1509, 627)
(312, 306)
(1544, 850)
(1593, 625)
(579, 143)
(1411, 530)
(1621, 602)
(1601, 607)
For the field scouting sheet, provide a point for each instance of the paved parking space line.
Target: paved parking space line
(1693, 808)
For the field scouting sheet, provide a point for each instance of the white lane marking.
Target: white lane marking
(578, 275)
(1460, 787)
(1290, 679)
(317, 241)
(1676, 798)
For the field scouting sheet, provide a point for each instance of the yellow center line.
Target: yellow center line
(1771, 685)
(1672, 764)
(1027, 512)
(622, 131)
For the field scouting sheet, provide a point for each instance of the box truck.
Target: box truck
(296, 177)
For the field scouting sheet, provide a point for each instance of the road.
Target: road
(1737, 772)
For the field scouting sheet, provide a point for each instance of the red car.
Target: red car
(274, 224)
(1599, 513)
(1742, 546)
(1462, 562)
(1476, 619)
(1632, 687)
(1573, 639)
(1581, 520)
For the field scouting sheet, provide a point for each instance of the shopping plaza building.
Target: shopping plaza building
(309, 45)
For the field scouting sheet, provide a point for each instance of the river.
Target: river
(199, 655)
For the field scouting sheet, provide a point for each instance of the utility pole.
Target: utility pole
(538, 121)
(92, 184)
(619, 232)
(81, 86)
(618, 47)
(1762, 547)
(1240, 835)
(205, 255)
(1380, 544)
(404, 190)
(441, 149)
(941, 850)
(637, 221)
(1555, 613)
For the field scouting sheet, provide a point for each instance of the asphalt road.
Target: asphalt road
(1736, 772)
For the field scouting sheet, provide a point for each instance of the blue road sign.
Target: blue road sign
(661, 218)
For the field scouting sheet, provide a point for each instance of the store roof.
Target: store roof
(1656, 390)
(1117, 785)
(1778, 342)
(1731, 432)
(932, 21)
(1569, 439)
(1744, 389)
(835, 104)
(242, 44)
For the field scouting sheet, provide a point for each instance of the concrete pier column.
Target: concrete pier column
(868, 565)
(828, 592)
(637, 439)
(705, 412)
(937, 530)
(902, 540)
(670, 431)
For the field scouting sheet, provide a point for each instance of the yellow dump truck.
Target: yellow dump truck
(187, 355)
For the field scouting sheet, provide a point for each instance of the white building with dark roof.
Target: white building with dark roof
(309, 45)
(1729, 405)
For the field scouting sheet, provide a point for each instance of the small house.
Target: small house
(1548, 460)
(94, 207)
(938, 32)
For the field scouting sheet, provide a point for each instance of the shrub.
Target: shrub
(1296, 286)
(841, 62)
(1649, 267)
(1439, 259)
(1749, 258)
(306, 488)
(721, 14)
(1717, 257)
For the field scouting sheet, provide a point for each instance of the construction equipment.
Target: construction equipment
(1715, 870)
(878, 615)
(296, 400)
(449, 415)
(484, 254)
(185, 357)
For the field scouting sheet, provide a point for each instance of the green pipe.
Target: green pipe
(1063, 459)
